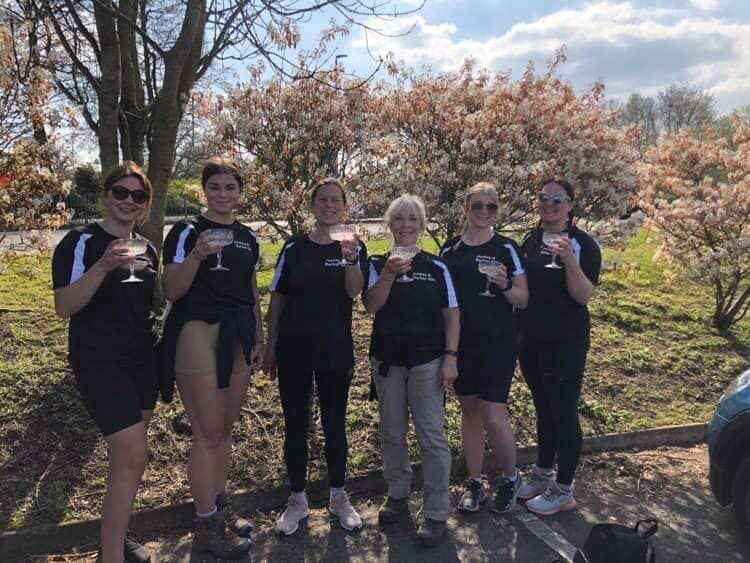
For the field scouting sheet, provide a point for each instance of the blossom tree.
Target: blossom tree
(293, 135)
(696, 192)
(443, 133)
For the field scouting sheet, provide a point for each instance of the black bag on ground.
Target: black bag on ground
(615, 543)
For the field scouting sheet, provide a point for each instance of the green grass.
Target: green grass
(654, 361)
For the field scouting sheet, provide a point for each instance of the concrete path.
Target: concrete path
(669, 484)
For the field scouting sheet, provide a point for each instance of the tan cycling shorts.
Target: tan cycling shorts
(197, 348)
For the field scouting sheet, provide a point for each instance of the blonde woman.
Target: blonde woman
(413, 353)
(487, 355)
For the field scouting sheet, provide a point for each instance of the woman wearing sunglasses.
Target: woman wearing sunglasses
(487, 352)
(563, 265)
(111, 341)
(212, 341)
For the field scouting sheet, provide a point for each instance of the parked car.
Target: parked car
(729, 451)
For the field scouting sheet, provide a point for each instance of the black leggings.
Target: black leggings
(295, 388)
(554, 373)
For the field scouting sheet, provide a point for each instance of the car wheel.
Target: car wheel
(741, 497)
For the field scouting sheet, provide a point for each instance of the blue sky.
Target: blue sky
(631, 46)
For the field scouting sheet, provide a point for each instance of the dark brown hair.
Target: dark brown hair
(220, 165)
(324, 182)
(130, 168)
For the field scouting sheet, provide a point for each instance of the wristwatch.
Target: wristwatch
(450, 353)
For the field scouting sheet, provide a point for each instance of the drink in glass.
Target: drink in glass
(489, 268)
(135, 247)
(341, 233)
(221, 238)
(405, 253)
(551, 240)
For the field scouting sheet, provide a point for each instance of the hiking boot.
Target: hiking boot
(538, 482)
(473, 496)
(134, 551)
(296, 510)
(505, 495)
(212, 536)
(340, 507)
(431, 532)
(392, 510)
(552, 501)
(240, 525)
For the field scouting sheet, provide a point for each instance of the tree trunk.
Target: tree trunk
(132, 118)
(109, 91)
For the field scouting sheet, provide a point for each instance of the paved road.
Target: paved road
(669, 484)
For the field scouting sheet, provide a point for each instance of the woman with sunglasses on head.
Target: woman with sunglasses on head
(212, 340)
(413, 352)
(487, 352)
(563, 265)
(310, 339)
(111, 341)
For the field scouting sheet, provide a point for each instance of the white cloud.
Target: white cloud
(707, 5)
(628, 48)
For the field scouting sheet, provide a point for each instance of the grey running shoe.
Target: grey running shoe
(552, 501)
(473, 496)
(296, 511)
(536, 484)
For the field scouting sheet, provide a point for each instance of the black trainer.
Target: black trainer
(506, 493)
(473, 496)
(431, 532)
(240, 525)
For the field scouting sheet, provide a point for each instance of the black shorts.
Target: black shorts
(114, 395)
(486, 369)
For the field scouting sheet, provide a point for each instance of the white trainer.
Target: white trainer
(296, 510)
(535, 484)
(340, 507)
(552, 501)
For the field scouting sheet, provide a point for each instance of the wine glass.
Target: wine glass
(489, 268)
(550, 240)
(221, 238)
(405, 253)
(135, 247)
(342, 233)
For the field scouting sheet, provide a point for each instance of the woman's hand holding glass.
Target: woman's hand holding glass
(204, 247)
(348, 236)
(396, 265)
(115, 256)
(559, 245)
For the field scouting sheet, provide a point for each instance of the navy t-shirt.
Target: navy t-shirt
(482, 317)
(409, 329)
(116, 325)
(315, 325)
(552, 314)
(215, 287)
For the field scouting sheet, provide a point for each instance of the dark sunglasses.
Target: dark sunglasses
(478, 206)
(121, 194)
(556, 199)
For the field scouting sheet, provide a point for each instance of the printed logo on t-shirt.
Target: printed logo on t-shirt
(333, 263)
(423, 277)
(483, 258)
(243, 245)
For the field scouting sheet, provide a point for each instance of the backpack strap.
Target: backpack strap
(647, 527)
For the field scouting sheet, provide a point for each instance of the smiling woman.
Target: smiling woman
(111, 339)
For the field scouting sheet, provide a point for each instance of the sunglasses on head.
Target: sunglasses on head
(121, 194)
(478, 206)
(556, 199)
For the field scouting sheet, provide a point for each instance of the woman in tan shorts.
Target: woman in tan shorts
(212, 340)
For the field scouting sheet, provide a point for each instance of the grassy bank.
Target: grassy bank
(654, 361)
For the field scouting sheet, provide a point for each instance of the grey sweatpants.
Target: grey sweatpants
(417, 390)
